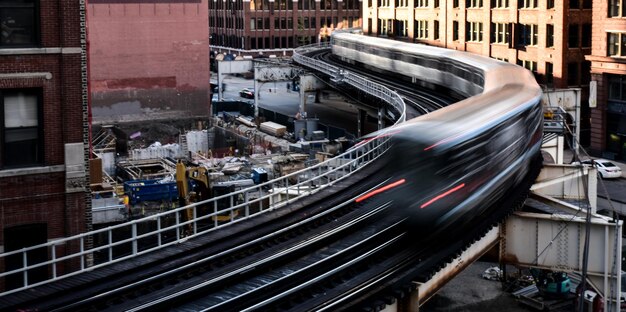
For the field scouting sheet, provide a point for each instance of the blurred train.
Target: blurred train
(454, 163)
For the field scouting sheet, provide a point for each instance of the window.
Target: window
(19, 23)
(585, 72)
(421, 3)
(436, 3)
(436, 30)
(455, 30)
(421, 29)
(614, 8)
(503, 59)
(20, 131)
(474, 3)
(549, 73)
(474, 31)
(587, 4)
(617, 44)
(527, 4)
(499, 33)
(499, 3)
(572, 40)
(401, 28)
(617, 88)
(527, 35)
(550, 4)
(586, 36)
(455, 3)
(572, 74)
(383, 27)
(530, 65)
(574, 4)
(549, 36)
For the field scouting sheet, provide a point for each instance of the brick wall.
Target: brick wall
(42, 197)
(148, 60)
(602, 64)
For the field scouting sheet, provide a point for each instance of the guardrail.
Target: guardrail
(76, 254)
(338, 74)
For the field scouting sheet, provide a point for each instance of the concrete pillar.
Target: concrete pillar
(256, 96)
(302, 108)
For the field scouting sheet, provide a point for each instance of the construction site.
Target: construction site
(133, 170)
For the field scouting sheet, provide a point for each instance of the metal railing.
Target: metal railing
(339, 74)
(73, 255)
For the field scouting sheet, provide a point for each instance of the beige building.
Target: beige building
(548, 37)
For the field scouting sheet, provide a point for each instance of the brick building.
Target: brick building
(43, 129)
(148, 59)
(548, 37)
(252, 27)
(608, 71)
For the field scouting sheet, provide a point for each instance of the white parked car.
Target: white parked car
(606, 168)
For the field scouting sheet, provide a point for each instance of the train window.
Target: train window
(405, 58)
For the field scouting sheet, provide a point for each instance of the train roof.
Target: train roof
(497, 73)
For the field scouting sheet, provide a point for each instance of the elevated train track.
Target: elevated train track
(326, 253)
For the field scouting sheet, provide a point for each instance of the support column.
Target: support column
(381, 121)
(256, 95)
(361, 122)
(302, 107)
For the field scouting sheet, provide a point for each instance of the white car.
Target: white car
(606, 168)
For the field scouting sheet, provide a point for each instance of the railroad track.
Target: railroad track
(420, 100)
(334, 255)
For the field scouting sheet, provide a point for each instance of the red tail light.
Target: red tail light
(442, 195)
(379, 190)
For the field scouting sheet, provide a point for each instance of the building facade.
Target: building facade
(548, 37)
(608, 72)
(148, 59)
(252, 27)
(44, 189)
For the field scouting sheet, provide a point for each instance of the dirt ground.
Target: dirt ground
(149, 131)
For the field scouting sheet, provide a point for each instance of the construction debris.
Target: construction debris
(138, 169)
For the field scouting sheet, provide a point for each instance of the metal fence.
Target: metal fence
(73, 255)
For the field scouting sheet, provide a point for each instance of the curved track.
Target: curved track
(325, 253)
(421, 100)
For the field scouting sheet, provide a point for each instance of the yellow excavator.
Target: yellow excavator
(201, 191)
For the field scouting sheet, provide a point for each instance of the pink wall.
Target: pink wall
(148, 60)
